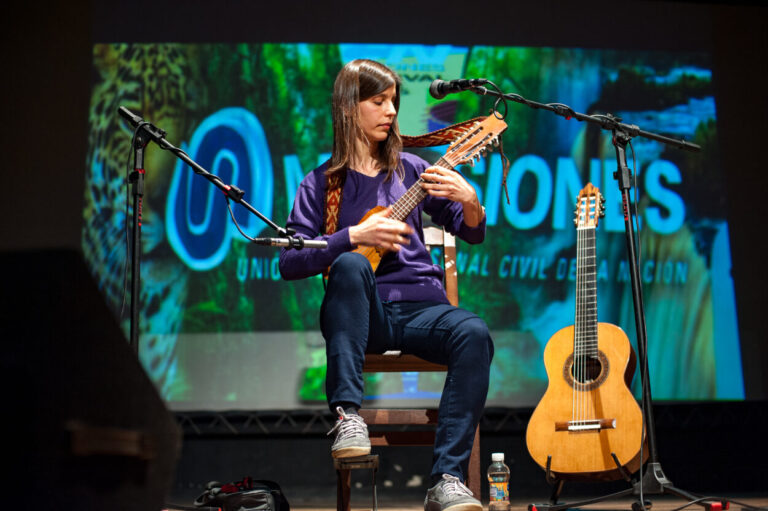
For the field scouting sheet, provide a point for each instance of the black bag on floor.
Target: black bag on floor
(244, 495)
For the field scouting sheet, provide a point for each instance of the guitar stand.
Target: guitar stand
(653, 482)
(558, 488)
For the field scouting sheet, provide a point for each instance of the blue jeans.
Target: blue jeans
(355, 321)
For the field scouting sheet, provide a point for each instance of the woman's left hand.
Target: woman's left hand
(441, 182)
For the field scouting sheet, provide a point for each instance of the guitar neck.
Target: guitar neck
(585, 335)
(415, 194)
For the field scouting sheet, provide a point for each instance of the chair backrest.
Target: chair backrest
(436, 237)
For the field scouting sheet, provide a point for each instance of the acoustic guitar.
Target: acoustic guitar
(468, 148)
(588, 424)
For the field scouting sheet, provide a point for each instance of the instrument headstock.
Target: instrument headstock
(476, 142)
(590, 206)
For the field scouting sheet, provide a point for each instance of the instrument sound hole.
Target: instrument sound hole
(586, 369)
(586, 372)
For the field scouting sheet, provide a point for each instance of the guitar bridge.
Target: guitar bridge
(586, 425)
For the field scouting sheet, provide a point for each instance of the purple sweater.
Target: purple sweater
(407, 275)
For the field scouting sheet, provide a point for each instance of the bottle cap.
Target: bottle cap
(497, 456)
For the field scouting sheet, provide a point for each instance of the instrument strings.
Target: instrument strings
(577, 357)
(585, 331)
(414, 195)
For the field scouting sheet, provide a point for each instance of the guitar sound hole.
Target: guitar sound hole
(586, 369)
(586, 372)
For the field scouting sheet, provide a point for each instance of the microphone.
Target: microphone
(296, 242)
(440, 88)
(129, 116)
(157, 134)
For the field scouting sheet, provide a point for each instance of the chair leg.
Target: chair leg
(373, 488)
(474, 474)
(343, 483)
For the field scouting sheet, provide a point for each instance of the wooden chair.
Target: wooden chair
(394, 361)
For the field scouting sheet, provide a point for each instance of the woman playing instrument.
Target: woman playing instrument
(402, 305)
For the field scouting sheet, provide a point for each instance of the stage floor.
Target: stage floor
(658, 503)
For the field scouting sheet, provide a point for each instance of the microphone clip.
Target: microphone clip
(440, 88)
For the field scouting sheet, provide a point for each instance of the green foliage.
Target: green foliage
(227, 306)
(512, 70)
(702, 185)
(312, 385)
(635, 89)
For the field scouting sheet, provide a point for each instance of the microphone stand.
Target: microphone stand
(145, 133)
(653, 481)
(136, 178)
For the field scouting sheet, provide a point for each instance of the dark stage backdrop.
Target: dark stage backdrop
(221, 330)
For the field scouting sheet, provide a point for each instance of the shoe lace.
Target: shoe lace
(453, 486)
(348, 425)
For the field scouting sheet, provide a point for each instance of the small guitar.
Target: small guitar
(588, 424)
(468, 148)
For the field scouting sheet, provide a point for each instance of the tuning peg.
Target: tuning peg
(495, 141)
(576, 222)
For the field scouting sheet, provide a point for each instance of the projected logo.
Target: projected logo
(232, 145)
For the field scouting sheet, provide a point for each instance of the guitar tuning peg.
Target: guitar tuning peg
(495, 141)
(576, 222)
(471, 162)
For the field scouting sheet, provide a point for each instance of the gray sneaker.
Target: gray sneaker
(451, 494)
(351, 436)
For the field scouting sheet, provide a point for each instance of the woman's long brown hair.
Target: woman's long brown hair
(357, 81)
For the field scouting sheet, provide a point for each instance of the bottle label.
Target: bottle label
(499, 491)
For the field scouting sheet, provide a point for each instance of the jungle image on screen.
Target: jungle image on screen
(220, 329)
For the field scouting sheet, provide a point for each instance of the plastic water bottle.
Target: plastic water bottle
(498, 479)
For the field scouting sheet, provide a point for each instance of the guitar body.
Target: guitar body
(604, 396)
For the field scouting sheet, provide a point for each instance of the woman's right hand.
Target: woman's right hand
(378, 230)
